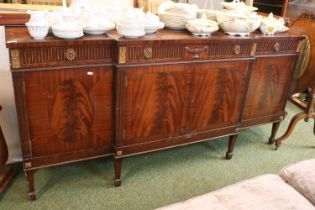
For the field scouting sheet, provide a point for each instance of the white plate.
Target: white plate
(94, 31)
(69, 36)
(132, 36)
(98, 31)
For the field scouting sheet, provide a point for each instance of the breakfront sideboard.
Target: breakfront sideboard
(108, 95)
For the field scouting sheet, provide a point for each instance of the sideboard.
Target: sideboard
(109, 95)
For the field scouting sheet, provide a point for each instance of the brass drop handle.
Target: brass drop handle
(196, 51)
(70, 54)
(276, 47)
(237, 49)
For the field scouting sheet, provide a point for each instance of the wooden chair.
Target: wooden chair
(7, 173)
(304, 81)
(277, 7)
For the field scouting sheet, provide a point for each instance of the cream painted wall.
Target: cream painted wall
(211, 4)
(8, 118)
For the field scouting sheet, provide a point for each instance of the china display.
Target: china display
(109, 95)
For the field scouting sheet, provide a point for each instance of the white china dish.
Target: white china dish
(99, 28)
(38, 32)
(153, 28)
(173, 21)
(238, 22)
(130, 29)
(152, 23)
(202, 27)
(98, 31)
(176, 15)
(132, 26)
(69, 36)
(68, 31)
(132, 35)
(270, 25)
(178, 8)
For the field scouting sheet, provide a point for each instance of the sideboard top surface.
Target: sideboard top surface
(17, 37)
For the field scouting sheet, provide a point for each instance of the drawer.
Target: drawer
(39, 57)
(184, 52)
(277, 46)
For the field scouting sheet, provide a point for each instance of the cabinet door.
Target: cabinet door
(69, 110)
(217, 95)
(155, 102)
(268, 86)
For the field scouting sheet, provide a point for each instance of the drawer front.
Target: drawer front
(277, 46)
(184, 52)
(38, 57)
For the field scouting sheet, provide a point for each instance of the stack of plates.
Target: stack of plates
(67, 31)
(173, 21)
(176, 15)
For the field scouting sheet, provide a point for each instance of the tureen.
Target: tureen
(270, 25)
(68, 27)
(202, 27)
(97, 23)
(132, 26)
(238, 22)
(152, 23)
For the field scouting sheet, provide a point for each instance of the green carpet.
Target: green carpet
(161, 178)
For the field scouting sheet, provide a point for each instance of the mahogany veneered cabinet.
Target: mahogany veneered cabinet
(68, 110)
(108, 95)
(180, 101)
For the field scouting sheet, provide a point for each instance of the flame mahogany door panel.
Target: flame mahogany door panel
(217, 95)
(69, 112)
(156, 102)
(268, 89)
(171, 103)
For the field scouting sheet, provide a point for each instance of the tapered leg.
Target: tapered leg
(275, 127)
(232, 141)
(31, 188)
(118, 165)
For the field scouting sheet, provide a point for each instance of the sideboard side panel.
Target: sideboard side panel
(268, 86)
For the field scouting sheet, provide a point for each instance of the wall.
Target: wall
(8, 120)
(208, 4)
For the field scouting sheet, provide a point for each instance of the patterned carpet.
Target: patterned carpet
(161, 178)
